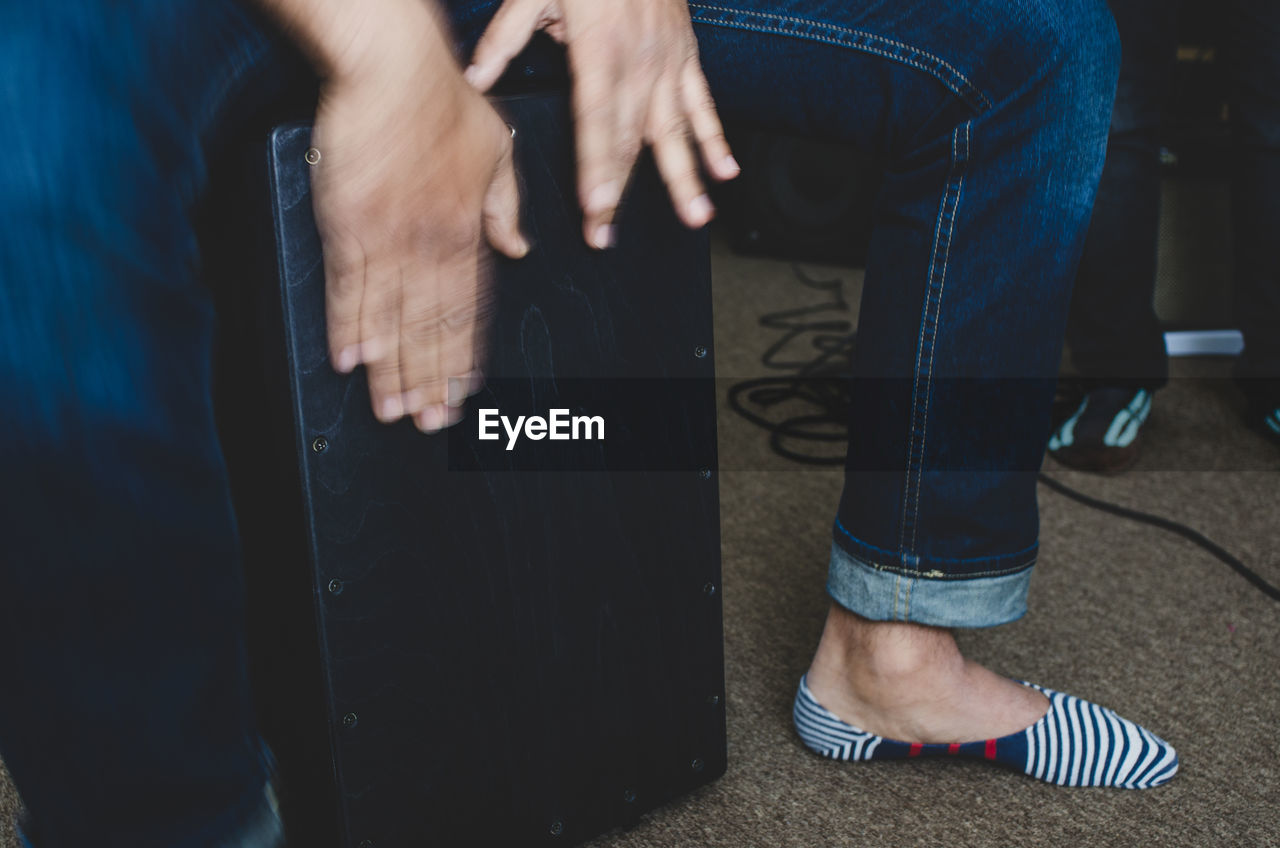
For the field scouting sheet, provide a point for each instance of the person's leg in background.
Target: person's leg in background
(1252, 55)
(1114, 336)
(992, 118)
(126, 718)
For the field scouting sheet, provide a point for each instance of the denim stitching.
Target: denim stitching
(953, 80)
(924, 326)
(845, 530)
(892, 569)
(935, 276)
(900, 573)
(937, 316)
(924, 329)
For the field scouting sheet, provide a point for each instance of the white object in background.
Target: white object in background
(1204, 342)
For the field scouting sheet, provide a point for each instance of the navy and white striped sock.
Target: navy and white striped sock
(1076, 743)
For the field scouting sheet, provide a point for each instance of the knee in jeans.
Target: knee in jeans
(1057, 63)
(1087, 65)
(1063, 72)
(90, 101)
(86, 212)
(72, 159)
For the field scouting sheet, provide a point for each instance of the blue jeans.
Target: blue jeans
(992, 119)
(1113, 331)
(126, 717)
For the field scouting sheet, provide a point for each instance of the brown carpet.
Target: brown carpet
(1123, 614)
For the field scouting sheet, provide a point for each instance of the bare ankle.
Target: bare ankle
(910, 682)
(875, 654)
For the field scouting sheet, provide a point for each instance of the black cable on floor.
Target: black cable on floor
(1168, 524)
(821, 383)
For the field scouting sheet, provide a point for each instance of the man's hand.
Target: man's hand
(636, 81)
(414, 175)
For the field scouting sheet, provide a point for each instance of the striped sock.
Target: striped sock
(1122, 428)
(1076, 743)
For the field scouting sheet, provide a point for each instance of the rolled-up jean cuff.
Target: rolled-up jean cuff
(881, 594)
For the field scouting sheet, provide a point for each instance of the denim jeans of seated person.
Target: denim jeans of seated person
(126, 717)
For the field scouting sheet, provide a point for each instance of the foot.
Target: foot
(888, 690)
(1105, 432)
(911, 683)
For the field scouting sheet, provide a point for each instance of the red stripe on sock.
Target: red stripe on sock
(953, 748)
(916, 747)
(991, 749)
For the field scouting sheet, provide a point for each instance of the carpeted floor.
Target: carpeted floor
(1121, 613)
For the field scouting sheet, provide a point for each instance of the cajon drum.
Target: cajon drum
(458, 644)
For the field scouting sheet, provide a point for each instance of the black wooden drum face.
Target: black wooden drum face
(525, 654)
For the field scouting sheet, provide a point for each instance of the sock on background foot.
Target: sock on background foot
(1105, 433)
(1267, 421)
